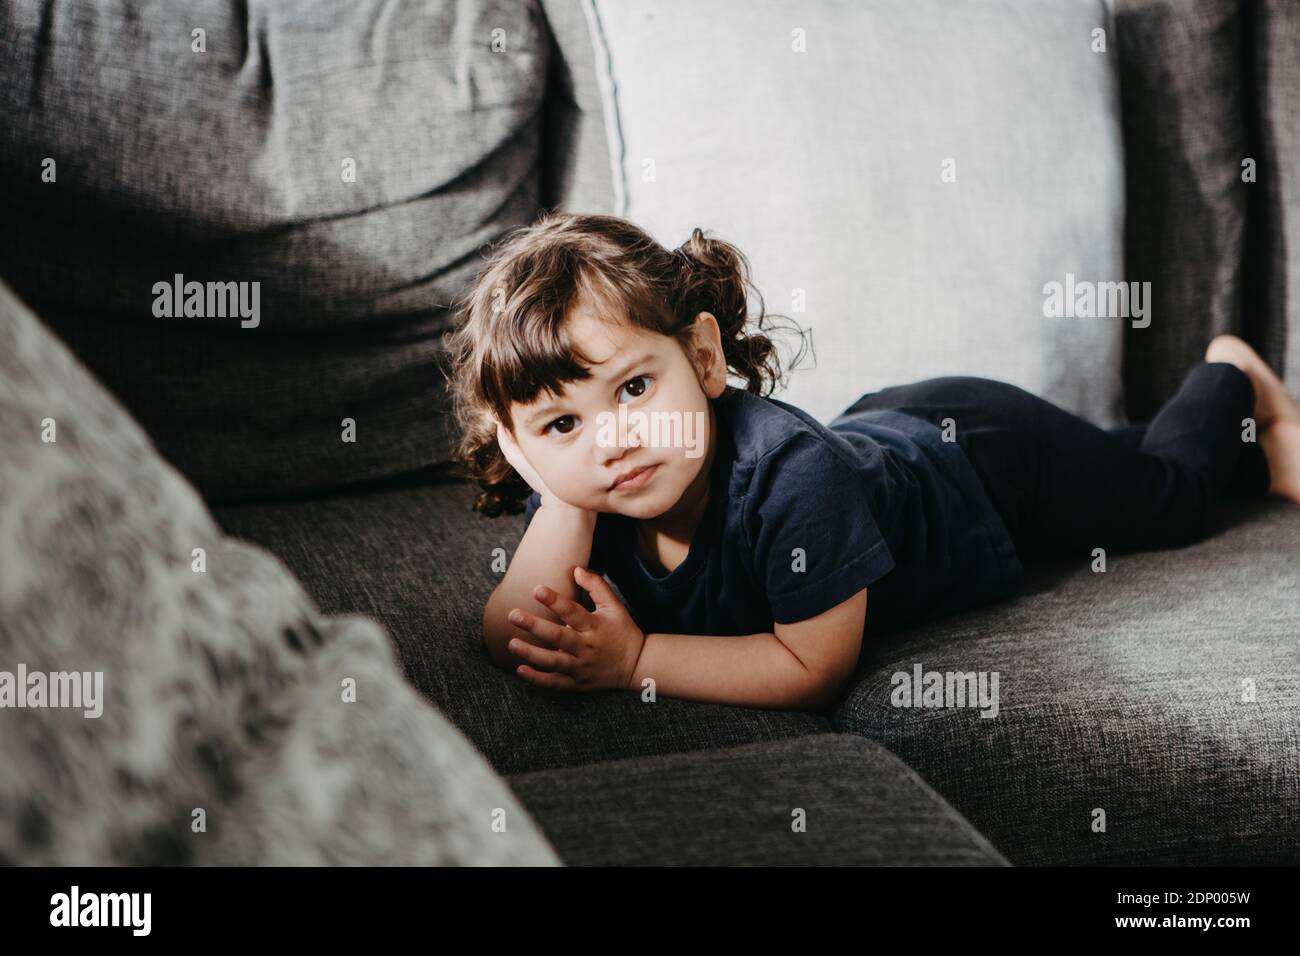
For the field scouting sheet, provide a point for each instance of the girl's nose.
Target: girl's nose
(613, 451)
(613, 442)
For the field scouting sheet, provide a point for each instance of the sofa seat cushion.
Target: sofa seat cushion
(1162, 693)
(824, 800)
(413, 555)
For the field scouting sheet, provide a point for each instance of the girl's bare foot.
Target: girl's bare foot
(1272, 401)
(1281, 444)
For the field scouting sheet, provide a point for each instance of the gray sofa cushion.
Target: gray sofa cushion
(1186, 105)
(1125, 691)
(227, 165)
(222, 686)
(415, 557)
(737, 806)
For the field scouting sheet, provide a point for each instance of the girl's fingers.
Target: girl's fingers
(542, 679)
(574, 614)
(551, 660)
(557, 635)
(596, 586)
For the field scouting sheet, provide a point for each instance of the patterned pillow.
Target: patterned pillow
(216, 716)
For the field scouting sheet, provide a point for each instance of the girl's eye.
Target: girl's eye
(637, 387)
(562, 418)
(642, 389)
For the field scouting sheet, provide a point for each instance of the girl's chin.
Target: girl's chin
(648, 505)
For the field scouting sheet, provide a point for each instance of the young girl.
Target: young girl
(744, 548)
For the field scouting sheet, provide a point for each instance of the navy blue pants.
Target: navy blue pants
(1064, 486)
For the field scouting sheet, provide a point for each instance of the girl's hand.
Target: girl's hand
(592, 650)
(515, 455)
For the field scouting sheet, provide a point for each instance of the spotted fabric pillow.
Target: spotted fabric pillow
(171, 696)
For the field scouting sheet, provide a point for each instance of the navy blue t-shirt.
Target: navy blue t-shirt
(802, 516)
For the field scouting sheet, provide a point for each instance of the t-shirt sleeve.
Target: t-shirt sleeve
(814, 536)
(595, 562)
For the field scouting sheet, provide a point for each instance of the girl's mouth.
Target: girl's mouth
(638, 479)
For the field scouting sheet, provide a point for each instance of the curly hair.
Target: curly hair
(509, 343)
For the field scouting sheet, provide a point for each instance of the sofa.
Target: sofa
(908, 178)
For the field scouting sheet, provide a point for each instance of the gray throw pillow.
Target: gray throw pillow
(350, 159)
(1273, 261)
(1184, 140)
(216, 716)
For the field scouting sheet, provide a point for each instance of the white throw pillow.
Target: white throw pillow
(820, 138)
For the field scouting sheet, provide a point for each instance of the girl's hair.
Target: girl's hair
(509, 341)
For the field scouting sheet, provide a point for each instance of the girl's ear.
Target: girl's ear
(706, 346)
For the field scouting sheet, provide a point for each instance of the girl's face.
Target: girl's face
(580, 448)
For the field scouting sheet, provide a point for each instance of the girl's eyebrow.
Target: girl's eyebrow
(616, 377)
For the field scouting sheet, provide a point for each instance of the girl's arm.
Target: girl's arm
(801, 666)
(558, 537)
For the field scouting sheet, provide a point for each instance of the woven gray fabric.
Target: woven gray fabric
(228, 166)
(1273, 301)
(416, 557)
(861, 806)
(420, 561)
(222, 686)
(1184, 108)
(576, 172)
(1124, 691)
